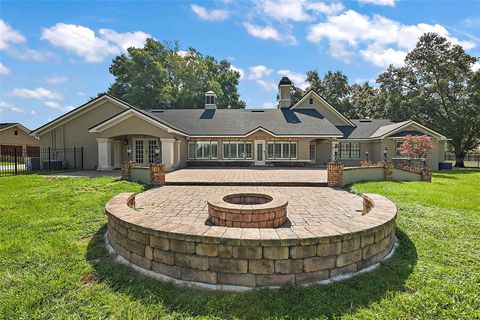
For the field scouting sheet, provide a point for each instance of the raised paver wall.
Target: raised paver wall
(214, 255)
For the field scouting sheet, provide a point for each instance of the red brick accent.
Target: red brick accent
(126, 166)
(388, 170)
(157, 174)
(335, 175)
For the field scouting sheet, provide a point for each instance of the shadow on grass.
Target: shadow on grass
(290, 302)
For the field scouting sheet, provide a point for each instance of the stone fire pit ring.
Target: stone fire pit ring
(247, 210)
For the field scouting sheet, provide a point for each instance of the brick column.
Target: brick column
(335, 174)
(426, 175)
(388, 170)
(157, 174)
(126, 166)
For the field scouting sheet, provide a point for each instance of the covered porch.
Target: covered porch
(142, 149)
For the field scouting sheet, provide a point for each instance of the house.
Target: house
(16, 138)
(306, 133)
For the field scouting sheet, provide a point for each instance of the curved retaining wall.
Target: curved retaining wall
(232, 258)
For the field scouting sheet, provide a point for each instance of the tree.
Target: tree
(416, 147)
(334, 88)
(160, 76)
(437, 87)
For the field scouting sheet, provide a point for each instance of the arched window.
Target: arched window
(311, 100)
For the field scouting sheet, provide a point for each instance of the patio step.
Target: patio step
(248, 184)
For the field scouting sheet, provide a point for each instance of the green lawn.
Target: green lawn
(53, 264)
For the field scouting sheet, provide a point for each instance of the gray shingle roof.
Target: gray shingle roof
(372, 128)
(223, 122)
(6, 125)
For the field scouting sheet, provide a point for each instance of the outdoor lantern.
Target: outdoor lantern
(385, 154)
(335, 153)
(424, 162)
(125, 142)
(366, 155)
(129, 152)
(157, 154)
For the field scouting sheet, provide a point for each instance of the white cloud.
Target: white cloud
(81, 94)
(239, 70)
(9, 36)
(4, 70)
(268, 105)
(33, 113)
(125, 40)
(382, 57)
(38, 93)
(269, 32)
(55, 105)
(298, 79)
(258, 72)
(284, 10)
(8, 106)
(83, 41)
(266, 85)
(476, 66)
(326, 8)
(56, 79)
(13, 42)
(210, 15)
(379, 40)
(390, 3)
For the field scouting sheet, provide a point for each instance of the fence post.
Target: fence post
(81, 156)
(15, 156)
(49, 159)
(74, 157)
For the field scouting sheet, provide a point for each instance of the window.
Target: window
(349, 150)
(270, 150)
(311, 101)
(203, 150)
(398, 148)
(312, 151)
(281, 150)
(237, 150)
(15, 133)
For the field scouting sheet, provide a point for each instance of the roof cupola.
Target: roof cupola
(284, 87)
(210, 100)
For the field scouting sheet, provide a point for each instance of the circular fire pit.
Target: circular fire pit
(247, 210)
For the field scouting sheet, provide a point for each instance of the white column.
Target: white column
(334, 142)
(168, 154)
(177, 154)
(104, 154)
(117, 153)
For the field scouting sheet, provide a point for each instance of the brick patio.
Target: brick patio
(248, 176)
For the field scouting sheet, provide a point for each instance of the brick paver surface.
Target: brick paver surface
(306, 205)
(248, 175)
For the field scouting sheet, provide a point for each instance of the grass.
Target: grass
(53, 264)
(469, 164)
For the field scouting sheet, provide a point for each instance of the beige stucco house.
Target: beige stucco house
(16, 136)
(301, 134)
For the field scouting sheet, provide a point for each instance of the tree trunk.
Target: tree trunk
(459, 156)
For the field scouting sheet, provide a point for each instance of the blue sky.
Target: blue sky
(55, 55)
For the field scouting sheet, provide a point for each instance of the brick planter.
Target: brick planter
(335, 175)
(242, 258)
(247, 210)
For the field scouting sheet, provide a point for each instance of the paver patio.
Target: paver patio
(248, 176)
(306, 205)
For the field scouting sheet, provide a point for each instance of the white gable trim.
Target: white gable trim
(325, 103)
(417, 126)
(128, 114)
(78, 112)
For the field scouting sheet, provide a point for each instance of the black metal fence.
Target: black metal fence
(16, 160)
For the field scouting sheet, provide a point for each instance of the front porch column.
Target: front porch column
(104, 154)
(168, 154)
(332, 156)
(117, 154)
(177, 153)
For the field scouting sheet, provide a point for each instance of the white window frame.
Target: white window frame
(203, 152)
(237, 155)
(281, 144)
(349, 150)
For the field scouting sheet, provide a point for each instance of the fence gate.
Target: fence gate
(16, 160)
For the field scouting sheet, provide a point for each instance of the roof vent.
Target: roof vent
(157, 110)
(258, 111)
(366, 120)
